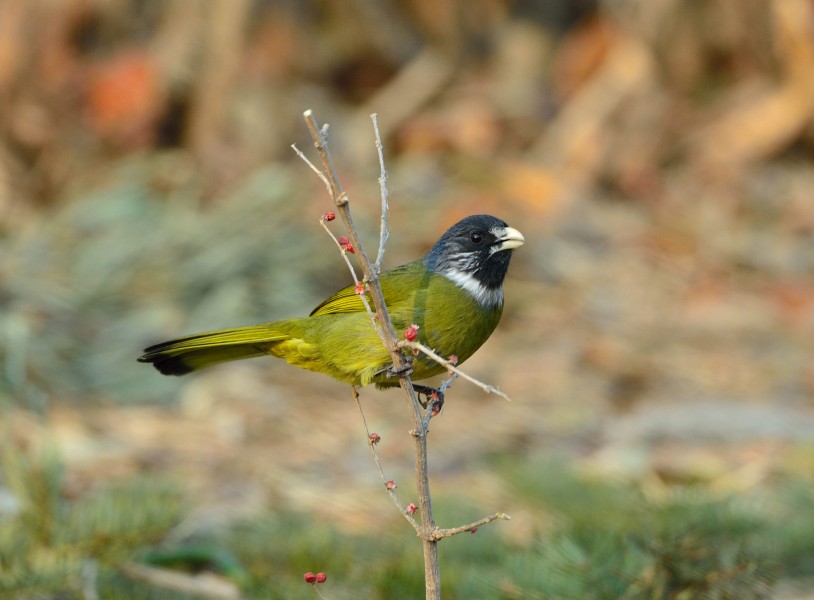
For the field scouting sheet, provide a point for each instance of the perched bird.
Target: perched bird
(454, 294)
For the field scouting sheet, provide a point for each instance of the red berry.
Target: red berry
(390, 485)
(374, 438)
(411, 333)
(412, 508)
(322, 578)
(345, 244)
(309, 577)
(328, 216)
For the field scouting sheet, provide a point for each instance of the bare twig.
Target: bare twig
(391, 492)
(489, 389)
(347, 261)
(341, 200)
(432, 577)
(383, 233)
(314, 168)
(363, 294)
(440, 534)
(447, 383)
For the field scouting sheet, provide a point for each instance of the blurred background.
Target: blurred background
(657, 340)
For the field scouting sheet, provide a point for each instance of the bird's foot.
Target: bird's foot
(392, 371)
(431, 396)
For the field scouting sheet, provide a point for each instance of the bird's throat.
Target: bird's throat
(487, 297)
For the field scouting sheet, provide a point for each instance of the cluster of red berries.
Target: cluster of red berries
(318, 578)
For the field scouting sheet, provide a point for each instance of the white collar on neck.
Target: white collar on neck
(485, 296)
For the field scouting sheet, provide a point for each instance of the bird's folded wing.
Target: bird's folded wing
(398, 285)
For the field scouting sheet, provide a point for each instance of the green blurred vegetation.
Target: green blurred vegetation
(602, 540)
(86, 280)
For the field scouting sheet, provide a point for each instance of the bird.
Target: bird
(453, 296)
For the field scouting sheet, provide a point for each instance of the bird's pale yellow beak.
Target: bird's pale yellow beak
(510, 238)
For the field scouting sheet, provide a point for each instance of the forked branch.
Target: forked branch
(427, 531)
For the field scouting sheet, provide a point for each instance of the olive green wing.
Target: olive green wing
(398, 285)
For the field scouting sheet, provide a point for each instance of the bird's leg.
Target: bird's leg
(391, 371)
(431, 394)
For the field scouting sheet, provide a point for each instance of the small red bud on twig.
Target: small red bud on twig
(345, 244)
(411, 333)
(360, 288)
(309, 577)
(473, 530)
(412, 508)
(328, 216)
(374, 438)
(322, 577)
(453, 358)
(390, 485)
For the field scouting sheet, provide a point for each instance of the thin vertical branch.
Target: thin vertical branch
(432, 578)
(341, 200)
(362, 295)
(428, 532)
(391, 492)
(383, 233)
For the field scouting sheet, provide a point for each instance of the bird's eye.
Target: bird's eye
(476, 238)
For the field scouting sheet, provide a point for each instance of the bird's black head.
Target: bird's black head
(474, 253)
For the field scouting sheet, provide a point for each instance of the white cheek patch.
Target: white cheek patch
(498, 232)
(485, 296)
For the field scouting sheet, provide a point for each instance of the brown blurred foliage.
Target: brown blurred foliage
(657, 155)
(556, 95)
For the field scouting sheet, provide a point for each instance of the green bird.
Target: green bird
(454, 294)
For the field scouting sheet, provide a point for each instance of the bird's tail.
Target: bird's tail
(187, 354)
